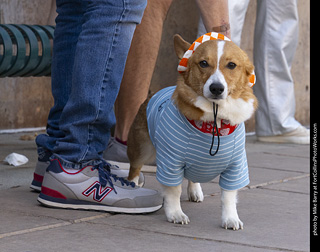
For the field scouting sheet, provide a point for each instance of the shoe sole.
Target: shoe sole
(83, 205)
(36, 188)
(283, 139)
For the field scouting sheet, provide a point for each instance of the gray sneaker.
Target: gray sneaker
(95, 188)
(41, 166)
(116, 151)
(43, 163)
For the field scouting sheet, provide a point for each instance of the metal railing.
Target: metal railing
(25, 50)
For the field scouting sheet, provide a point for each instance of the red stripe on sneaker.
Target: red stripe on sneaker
(52, 193)
(37, 177)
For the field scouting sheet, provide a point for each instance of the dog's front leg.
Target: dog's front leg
(172, 205)
(230, 218)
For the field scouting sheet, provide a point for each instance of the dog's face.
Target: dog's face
(223, 68)
(218, 71)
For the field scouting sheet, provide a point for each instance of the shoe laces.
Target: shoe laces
(105, 176)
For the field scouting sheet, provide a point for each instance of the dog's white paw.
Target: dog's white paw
(195, 192)
(232, 222)
(195, 196)
(230, 217)
(178, 217)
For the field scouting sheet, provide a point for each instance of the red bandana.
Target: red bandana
(207, 127)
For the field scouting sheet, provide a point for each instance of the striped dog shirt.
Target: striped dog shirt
(183, 151)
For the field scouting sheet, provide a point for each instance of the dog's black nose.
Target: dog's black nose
(216, 88)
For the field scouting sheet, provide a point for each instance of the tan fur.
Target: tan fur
(180, 45)
(140, 148)
(185, 97)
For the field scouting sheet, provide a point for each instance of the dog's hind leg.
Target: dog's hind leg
(140, 148)
(195, 192)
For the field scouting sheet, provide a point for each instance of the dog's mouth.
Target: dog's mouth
(215, 99)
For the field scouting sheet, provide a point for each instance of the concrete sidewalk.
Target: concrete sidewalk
(274, 210)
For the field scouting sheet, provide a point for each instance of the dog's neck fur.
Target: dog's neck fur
(185, 98)
(197, 107)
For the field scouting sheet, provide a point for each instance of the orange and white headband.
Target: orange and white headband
(182, 67)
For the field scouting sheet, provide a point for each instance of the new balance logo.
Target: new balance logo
(98, 193)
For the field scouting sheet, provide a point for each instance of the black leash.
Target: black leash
(215, 126)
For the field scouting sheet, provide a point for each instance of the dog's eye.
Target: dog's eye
(203, 64)
(231, 65)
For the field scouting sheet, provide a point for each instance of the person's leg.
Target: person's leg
(66, 35)
(69, 26)
(237, 14)
(275, 43)
(138, 73)
(100, 58)
(85, 121)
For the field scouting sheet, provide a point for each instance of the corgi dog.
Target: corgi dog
(195, 130)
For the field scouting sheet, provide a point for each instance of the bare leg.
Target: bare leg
(140, 65)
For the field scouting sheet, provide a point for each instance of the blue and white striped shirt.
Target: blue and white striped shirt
(183, 151)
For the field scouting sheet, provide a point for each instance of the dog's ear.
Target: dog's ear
(249, 70)
(248, 67)
(180, 45)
